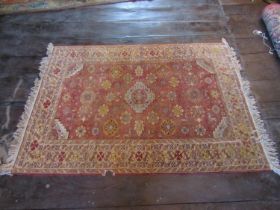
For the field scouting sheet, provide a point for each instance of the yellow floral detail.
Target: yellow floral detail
(127, 78)
(73, 156)
(66, 97)
(35, 155)
(103, 110)
(106, 84)
(116, 72)
(139, 127)
(173, 82)
(177, 111)
(214, 94)
(139, 71)
(242, 130)
(116, 156)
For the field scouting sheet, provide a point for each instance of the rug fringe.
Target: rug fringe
(268, 145)
(6, 169)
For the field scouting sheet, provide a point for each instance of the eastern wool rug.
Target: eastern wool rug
(16, 6)
(140, 109)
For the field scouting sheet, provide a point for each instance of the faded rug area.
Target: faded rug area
(140, 109)
(16, 6)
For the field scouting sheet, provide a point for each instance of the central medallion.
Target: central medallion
(139, 97)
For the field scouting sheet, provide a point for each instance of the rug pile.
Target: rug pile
(140, 109)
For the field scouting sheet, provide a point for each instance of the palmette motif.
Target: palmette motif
(174, 108)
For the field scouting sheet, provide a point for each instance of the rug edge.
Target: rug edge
(268, 145)
(6, 169)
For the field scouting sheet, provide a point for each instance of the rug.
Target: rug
(271, 17)
(140, 109)
(16, 6)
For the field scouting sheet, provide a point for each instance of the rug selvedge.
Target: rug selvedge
(138, 109)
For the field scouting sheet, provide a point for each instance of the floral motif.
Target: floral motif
(66, 97)
(110, 97)
(173, 82)
(242, 130)
(151, 78)
(163, 70)
(80, 131)
(153, 117)
(165, 110)
(194, 95)
(47, 103)
(187, 66)
(178, 155)
(216, 109)
(100, 156)
(106, 84)
(110, 127)
(139, 127)
(87, 97)
(171, 96)
(117, 85)
(103, 110)
(191, 79)
(34, 145)
(56, 71)
(126, 117)
(91, 68)
(208, 80)
(197, 111)
(61, 156)
(214, 94)
(127, 78)
(177, 111)
(139, 71)
(139, 97)
(168, 127)
(184, 130)
(84, 112)
(138, 156)
(116, 156)
(116, 72)
(95, 131)
(200, 130)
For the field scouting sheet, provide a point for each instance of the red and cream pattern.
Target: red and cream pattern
(174, 108)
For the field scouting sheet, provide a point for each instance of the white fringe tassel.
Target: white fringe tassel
(6, 169)
(268, 145)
